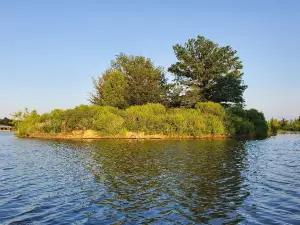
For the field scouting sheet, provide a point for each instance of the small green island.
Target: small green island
(133, 99)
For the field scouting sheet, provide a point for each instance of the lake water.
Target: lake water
(159, 182)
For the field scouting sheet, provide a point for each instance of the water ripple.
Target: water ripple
(141, 182)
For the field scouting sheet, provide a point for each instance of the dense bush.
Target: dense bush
(274, 126)
(194, 122)
(30, 123)
(207, 118)
(210, 108)
(247, 122)
(108, 123)
(146, 118)
(52, 122)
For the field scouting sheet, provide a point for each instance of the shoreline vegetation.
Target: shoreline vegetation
(149, 121)
(133, 99)
(285, 126)
(93, 135)
(287, 132)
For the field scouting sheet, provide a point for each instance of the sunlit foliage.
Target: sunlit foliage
(207, 118)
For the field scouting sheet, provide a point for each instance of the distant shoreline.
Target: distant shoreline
(93, 135)
(288, 132)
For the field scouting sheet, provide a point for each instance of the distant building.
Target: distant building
(5, 128)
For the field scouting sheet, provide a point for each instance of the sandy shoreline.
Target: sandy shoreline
(90, 134)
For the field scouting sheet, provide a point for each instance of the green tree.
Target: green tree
(283, 123)
(5, 121)
(26, 122)
(273, 126)
(146, 82)
(213, 69)
(110, 90)
(243, 122)
(18, 117)
(292, 125)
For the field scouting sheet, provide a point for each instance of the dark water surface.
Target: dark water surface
(141, 182)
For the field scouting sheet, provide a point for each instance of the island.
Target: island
(133, 99)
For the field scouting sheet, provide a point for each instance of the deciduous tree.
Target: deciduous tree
(146, 82)
(110, 90)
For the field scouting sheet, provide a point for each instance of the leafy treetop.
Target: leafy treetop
(214, 70)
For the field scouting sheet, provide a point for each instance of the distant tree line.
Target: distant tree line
(284, 125)
(5, 121)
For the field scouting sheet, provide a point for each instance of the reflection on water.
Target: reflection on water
(133, 182)
(172, 180)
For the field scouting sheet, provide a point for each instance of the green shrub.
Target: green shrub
(247, 122)
(29, 124)
(214, 124)
(52, 122)
(146, 118)
(259, 122)
(211, 108)
(174, 124)
(273, 126)
(261, 128)
(79, 118)
(242, 127)
(109, 124)
(195, 124)
(207, 118)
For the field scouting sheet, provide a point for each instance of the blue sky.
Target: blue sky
(49, 50)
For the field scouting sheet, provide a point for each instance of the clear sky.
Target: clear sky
(49, 50)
